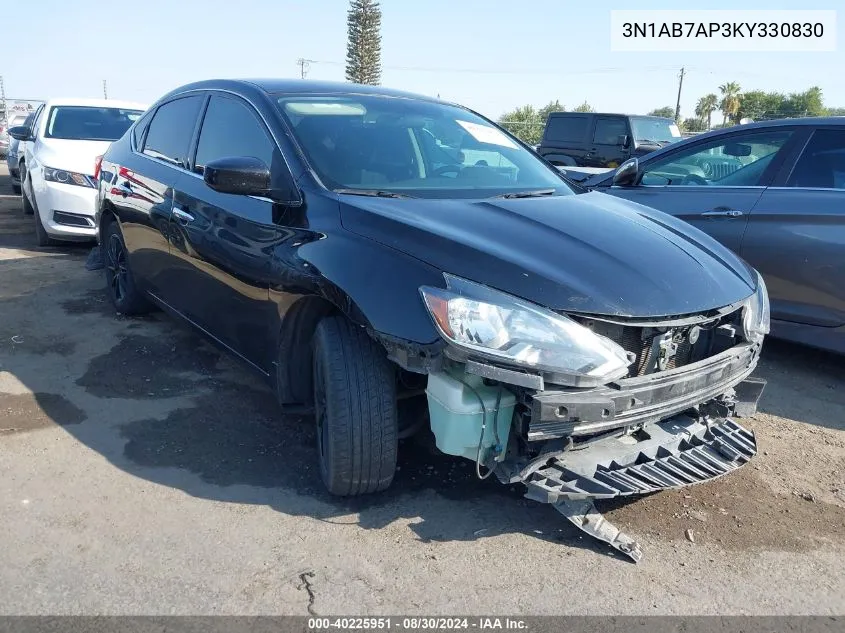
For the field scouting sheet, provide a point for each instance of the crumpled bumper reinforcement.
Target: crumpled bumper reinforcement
(678, 452)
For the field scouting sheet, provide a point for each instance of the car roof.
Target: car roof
(96, 103)
(298, 86)
(639, 116)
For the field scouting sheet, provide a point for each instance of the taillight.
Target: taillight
(98, 162)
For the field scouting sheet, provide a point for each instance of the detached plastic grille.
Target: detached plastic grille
(722, 449)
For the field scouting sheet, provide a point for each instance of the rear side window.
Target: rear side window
(571, 129)
(608, 131)
(231, 129)
(170, 132)
(139, 129)
(822, 163)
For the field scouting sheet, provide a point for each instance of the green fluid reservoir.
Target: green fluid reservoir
(456, 413)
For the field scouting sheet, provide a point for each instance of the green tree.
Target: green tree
(706, 106)
(730, 100)
(759, 105)
(551, 106)
(807, 103)
(836, 112)
(693, 124)
(363, 48)
(524, 123)
(584, 107)
(666, 111)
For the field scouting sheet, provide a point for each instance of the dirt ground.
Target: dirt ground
(143, 471)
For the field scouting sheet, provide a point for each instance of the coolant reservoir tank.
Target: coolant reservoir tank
(457, 414)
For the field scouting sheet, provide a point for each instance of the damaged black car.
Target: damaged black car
(364, 249)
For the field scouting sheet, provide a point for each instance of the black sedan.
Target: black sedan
(774, 193)
(362, 247)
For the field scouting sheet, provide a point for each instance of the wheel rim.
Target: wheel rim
(116, 268)
(320, 412)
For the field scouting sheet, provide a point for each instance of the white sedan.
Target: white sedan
(61, 151)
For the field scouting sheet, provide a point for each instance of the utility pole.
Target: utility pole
(304, 65)
(678, 103)
(105, 91)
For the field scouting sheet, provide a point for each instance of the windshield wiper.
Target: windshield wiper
(374, 193)
(527, 194)
(649, 140)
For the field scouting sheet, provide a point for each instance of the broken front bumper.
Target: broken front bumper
(640, 400)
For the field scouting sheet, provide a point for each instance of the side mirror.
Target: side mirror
(249, 176)
(627, 173)
(624, 140)
(20, 133)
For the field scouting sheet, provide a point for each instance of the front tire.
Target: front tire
(355, 408)
(42, 238)
(120, 283)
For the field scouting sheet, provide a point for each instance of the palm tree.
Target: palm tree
(730, 100)
(706, 106)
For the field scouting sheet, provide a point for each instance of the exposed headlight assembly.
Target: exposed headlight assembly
(68, 177)
(756, 317)
(492, 324)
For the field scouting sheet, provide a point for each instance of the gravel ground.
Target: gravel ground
(143, 472)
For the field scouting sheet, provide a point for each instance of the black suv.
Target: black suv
(362, 248)
(603, 140)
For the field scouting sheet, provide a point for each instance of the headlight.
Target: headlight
(68, 177)
(756, 318)
(490, 323)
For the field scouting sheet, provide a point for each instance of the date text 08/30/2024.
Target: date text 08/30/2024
(417, 623)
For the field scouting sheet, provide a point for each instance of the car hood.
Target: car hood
(75, 156)
(589, 253)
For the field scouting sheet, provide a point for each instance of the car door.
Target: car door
(26, 147)
(610, 137)
(712, 184)
(142, 191)
(796, 233)
(225, 242)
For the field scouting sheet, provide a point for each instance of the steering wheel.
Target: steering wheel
(694, 179)
(445, 169)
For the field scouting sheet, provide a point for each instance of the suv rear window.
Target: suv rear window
(567, 128)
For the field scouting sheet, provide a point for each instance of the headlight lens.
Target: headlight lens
(68, 177)
(756, 319)
(504, 328)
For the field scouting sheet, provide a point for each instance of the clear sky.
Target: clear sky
(490, 55)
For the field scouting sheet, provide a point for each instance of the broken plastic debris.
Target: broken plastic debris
(690, 536)
(17, 339)
(480, 532)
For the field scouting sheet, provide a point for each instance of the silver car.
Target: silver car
(12, 154)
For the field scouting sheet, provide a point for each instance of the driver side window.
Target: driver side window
(738, 160)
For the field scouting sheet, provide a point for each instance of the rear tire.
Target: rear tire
(120, 283)
(355, 408)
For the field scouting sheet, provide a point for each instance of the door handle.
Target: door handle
(722, 213)
(183, 216)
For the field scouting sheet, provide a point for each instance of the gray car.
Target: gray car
(13, 155)
(773, 192)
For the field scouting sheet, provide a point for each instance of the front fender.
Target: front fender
(374, 285)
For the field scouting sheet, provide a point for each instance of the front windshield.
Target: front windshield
(389, 145)
(655, 130)
(87, 123)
